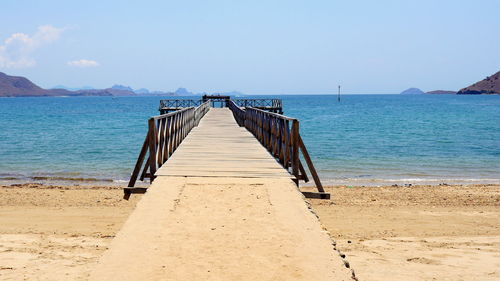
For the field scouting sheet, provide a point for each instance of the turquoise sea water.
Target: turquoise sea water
(364, 139)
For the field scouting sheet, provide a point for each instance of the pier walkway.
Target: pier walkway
(221, 208)
(218, 147)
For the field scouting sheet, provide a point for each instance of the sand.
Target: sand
(418, 232)
(57, 232)
(386, 233)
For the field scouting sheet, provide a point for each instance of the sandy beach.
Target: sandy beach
(417, 232)
(53, 232)
(57, 232)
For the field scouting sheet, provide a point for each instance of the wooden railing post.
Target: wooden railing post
(166, 152)
(152, 133)
(295, 148)
(287, 145)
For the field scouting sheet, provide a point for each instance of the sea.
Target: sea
(361, 140)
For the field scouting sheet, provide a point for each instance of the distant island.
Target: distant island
(416, 91)
(441, 92)
(17, 86)
(489, 86)
(412, 91)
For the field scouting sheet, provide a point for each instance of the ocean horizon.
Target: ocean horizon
(371, 139)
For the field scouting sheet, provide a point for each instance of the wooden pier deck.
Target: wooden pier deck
(221, 208)
(218, 147)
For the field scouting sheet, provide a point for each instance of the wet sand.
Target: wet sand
(387, 233)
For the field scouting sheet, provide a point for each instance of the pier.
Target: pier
(224, 202)
(232, 132)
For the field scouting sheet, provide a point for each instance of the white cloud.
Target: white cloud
(17, 50)
(83, 63)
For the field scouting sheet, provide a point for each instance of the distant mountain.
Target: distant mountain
(412, 91)
(122, 88)
(142, 91)
(12, 86)
(103, 92)
(16, 86)
(441, 92)
(489, 86)
(183, 92)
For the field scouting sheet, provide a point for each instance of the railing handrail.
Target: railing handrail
(274, 105)
(263, 103)
(238, 113)
(164, 102)
(200, 111)
(273, 113)
(166, 115)
(257, 99)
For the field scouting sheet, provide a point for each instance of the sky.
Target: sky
(256, 47)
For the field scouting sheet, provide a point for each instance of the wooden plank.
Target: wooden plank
(316, 195)
(135, 190)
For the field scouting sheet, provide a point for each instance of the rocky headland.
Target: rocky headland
(17, 86)
(488, 86)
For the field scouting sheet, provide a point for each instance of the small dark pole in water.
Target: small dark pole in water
(338, 97)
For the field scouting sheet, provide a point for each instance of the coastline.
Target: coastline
(379, 148)
(64, 180)
(417, 232)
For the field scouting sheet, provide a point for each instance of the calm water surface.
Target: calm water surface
(364, 139)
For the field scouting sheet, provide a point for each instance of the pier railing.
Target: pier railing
(165, 134)
(200, 111)
(272, 105)
(179, 103)
(238, 113)
(280, 135)
(167, 106)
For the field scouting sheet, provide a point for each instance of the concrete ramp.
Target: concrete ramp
(221, 229)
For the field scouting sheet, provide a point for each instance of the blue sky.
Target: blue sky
(257, 47)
